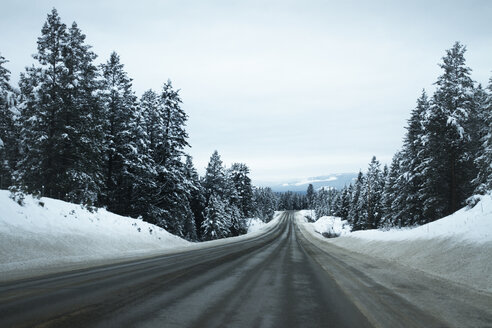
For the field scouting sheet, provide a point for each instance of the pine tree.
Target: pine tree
(393, 199)
(345, 197)
(59, 117)
(82, 115)
(41, 127)
(238, 174)
(168, 138)
(371, 193)
(310, 195)
(448, 162)
(412, 162)
(357, 204)
(120, 147)
(8, 129)
(265, 201)
(214, 180)
(483, 159)
(196, 198)
(216, 223)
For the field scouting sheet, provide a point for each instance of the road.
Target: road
(278, 279)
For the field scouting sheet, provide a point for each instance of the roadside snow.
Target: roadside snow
(47, 235)
(469, 225)
(47, 232)
(457, 247)
(308, 215)
(255, 224)
(331, 226)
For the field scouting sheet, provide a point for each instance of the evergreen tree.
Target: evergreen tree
(83, 136)
(345, 197)
(265, 201)
(449, 166)
(393, 199)
(218, 197)
(310, 195)
(216, 223)
(238, 174)
(357, 204)
(483, 158)
(120, 147)
(8, 129)
(371, 193)
(412, 164)
(169, 139)
(214, 180)
(59, 123)
(196, 197)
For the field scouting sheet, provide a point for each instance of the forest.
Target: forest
(445, 162)
(76, 131)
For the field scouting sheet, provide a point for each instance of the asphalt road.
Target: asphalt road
(279, 279)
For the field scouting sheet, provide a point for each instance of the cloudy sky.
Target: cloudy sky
(292, 88)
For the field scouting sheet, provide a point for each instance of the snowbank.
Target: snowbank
(468, 225)
(255, 224)
(331, 226)
(47, 235)
(47, 232)
(308, 215)
(457, 247)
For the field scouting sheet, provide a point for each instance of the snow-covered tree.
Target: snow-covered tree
(393, 198)
(371, 194)
(60, 130)
(120, 146)
(357, 204)
(310, 195)
(412, 161)
(216, 223)
(196, 197)
(165, 128)
(448, 161)
(483, 160)
(8, 129)
(265, 202)
(214, 180)
(239, 175)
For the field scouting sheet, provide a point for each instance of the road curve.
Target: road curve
(273, 280)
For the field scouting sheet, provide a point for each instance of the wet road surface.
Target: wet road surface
(278, 279)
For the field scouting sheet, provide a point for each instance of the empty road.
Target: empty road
(278, 279)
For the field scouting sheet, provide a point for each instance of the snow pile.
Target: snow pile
(308, 215)
(331, 226)
(255, 224)
(47, 232)
(457, 247)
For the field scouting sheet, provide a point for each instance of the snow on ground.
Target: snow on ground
(457, 247)
(47, 235)
(332, 226)
(255, 224)
(47, 232)
(307, 215)
(468, 225)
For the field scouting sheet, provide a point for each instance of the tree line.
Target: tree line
(445, 162)
(76, 131)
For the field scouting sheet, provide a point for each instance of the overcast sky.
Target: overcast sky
(292, 88)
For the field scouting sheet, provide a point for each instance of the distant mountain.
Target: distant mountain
(336, 181)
